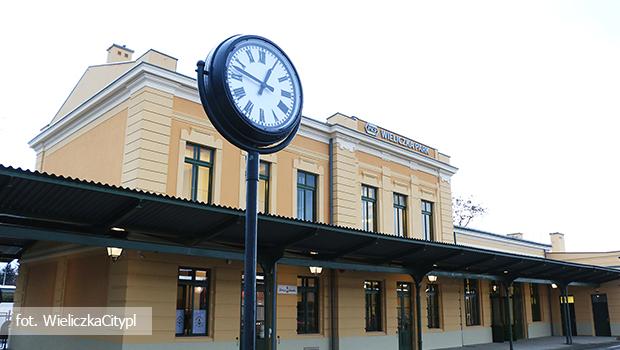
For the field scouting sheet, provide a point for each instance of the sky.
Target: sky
(523, 95)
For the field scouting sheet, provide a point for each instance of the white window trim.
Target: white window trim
(208, 140)
(310, 167)
(272, 159)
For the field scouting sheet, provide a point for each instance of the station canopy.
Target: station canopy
(42, 207)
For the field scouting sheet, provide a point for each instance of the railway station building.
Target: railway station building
(356, 243)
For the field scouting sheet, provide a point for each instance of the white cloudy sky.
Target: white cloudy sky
(524, 95)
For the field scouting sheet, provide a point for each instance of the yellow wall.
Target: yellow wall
(489, 243)
(592, 258)
(95, 154)
(41, 281)
(87, 280)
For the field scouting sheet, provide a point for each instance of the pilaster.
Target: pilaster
(347, 195)
(147, 140)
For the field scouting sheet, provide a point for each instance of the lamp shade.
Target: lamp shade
(432, 278)
(315, 270)
(114, 252)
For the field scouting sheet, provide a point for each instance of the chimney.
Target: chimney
(517, 235)
(118, 53)
(557, 242)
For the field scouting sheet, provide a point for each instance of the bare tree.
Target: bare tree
(464, 210)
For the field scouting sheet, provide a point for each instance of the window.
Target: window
(472, 302)
(197, 173)
(432, 305)
(307, 305)
(263, 187)
(535, 299)
(369, 208)
(7, 295)
(427, 220)
(373, 306)
(192, 302)
(400, 214)
(306, 196)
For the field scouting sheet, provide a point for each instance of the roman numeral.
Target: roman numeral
(239, 93)
(275, 117)
(248, 108)
(284, 78)
(236, 76)
(250, 57)
(241, 64)
(283, 107)
(262, 116)
(286, 94)
(261, 56)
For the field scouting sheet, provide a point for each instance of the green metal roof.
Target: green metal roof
(38, 206)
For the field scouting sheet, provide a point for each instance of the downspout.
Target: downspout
(331, 181)
(333, 344)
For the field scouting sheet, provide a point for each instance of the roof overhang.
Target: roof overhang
(41, 207)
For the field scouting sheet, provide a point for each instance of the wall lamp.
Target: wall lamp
(316, 270)
(554, 286)
(114, 253)
(432, 278)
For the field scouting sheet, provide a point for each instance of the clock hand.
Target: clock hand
(264, 84)
(253, 78)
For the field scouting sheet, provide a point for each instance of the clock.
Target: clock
(252, 93)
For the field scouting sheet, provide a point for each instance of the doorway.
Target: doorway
(600, 312)
(260, 311)
(500, 332)
(404, 314)
(570, 300)
(518, 329)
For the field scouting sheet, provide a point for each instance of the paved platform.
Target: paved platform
(549, 343)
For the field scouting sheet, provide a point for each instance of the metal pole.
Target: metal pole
(248, 341)
(508, 319)
(418, 313)
(569, 334)
(563, 300)
(274, 304)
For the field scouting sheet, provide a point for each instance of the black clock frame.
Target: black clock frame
(220, 106)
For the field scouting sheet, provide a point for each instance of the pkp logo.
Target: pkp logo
(372, 129)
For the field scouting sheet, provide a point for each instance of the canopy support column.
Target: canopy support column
(508, 319)
(418, 273)
(566, 312)
(269, 264)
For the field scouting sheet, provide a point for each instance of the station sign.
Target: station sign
(375, 131)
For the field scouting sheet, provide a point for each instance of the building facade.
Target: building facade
(139, 124)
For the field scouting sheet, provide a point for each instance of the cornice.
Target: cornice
(147, 75)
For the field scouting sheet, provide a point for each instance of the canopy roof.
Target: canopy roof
(41, 207)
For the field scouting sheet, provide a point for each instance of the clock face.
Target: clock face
(263, 85)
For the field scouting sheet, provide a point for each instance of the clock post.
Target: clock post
(252, 95)
(249, 264)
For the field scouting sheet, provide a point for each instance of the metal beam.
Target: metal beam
(501, 268)
(575, 276)
(331, 264)
(476, 262)
(215, 231)
(30, 233)
(539, 271)
(352, 249)
(516, 272)
(300, 238)
(120, 215)
(5, 185)
(444, 257)
(400, 255)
